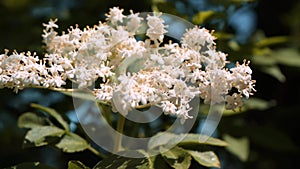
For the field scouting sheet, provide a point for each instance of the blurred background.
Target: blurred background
(263, 135)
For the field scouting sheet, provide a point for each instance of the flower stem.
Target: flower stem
(120, 128)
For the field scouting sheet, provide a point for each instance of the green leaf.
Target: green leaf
(122, 162)
(285, 56)
(261, 51)
(166, 7)
(223, 35)
(176, 157)
(234, 45)
(31, 165)
(264, 60)
(208, 158)
(171, 139)
(275, 72)
(54, 114)
(31, 120)
(272, 41)
(201, 139)
(76, 165)
(202, 16)
(71, 143)
(160, 139)
(38, 135)
(288, 57)
(238, 146)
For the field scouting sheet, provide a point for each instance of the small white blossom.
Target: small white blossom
(156, 28)
(134, 22)
(51, 24)
(197, 38)
(234, 101)
(168, 107)
(242, 78)
(115, 15)
(105, 93)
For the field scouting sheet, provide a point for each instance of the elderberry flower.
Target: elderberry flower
(130, 73)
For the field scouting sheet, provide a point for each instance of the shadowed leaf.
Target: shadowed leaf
(176, 157)
(122, 162)
(31, 120)
(38, 135)
(54, 114)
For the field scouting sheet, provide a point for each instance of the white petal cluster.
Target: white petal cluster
(156, 28)
(115, 15)
(131, 73)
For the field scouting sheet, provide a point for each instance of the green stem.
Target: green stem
(120, 128)
(96, 152)
(106, 112)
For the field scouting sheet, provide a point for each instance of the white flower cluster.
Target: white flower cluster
(132, 73)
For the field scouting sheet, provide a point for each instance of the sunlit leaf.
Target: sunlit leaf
(238, 146)
(176, 157)
(31, 120)
(122, 162)
(71, 143)
(38, 135)
(54, 114)
(76, 165)
(208, 158)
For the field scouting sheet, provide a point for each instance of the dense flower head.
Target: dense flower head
(132, 73)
